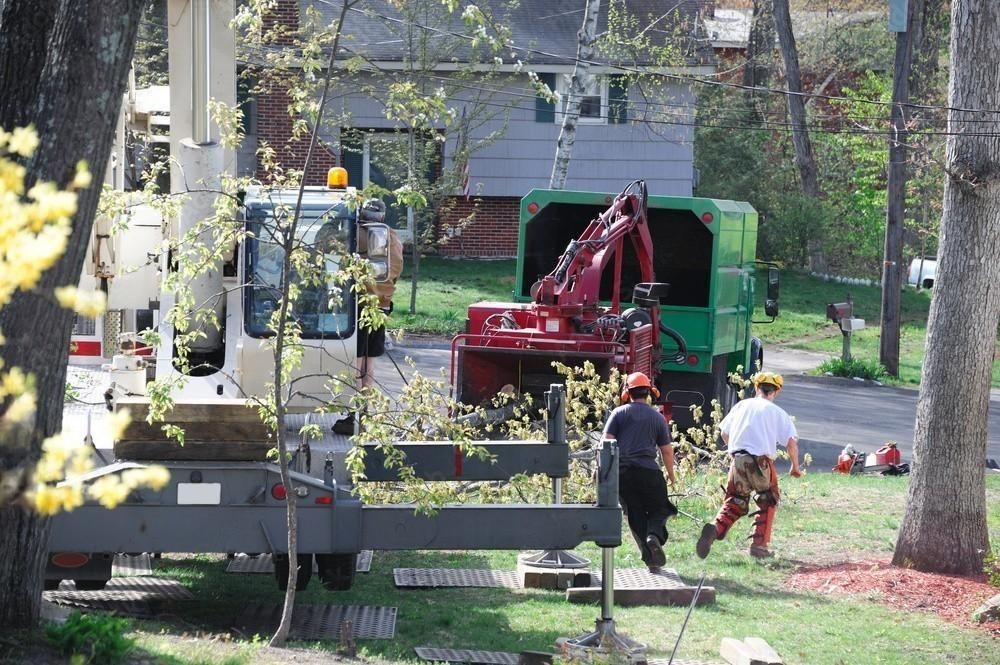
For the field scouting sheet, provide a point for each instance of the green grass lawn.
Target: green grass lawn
(824, 518)
(447, 287)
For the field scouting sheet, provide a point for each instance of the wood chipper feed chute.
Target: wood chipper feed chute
(516, 344)
(482, 365)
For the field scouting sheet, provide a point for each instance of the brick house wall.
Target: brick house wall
(491, 233)
(274, 125)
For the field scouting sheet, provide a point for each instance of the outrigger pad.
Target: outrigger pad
(219, 430)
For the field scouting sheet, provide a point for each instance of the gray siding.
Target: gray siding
(605, 157)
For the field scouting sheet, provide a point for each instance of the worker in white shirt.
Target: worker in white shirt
(751, 430)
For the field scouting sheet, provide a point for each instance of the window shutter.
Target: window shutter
(545, 111)
(617, 99)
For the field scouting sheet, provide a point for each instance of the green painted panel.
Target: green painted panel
(729, 282)
(693, 323)
(727, 328)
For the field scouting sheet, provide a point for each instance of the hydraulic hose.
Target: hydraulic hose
(681, 356)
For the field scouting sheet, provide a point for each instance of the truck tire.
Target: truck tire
(281, 571)
(756, 362)
(723, 390)
(336, 571)
(90, 585)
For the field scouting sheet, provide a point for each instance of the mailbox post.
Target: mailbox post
(842, 313)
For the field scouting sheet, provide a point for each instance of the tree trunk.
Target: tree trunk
(927, 32)
(571, 111)
(760, 53)
(73, 104)
(944, 527)
(805, 162)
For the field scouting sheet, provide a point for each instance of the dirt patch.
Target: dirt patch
(951, 597)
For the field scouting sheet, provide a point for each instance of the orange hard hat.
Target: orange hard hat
(638, 380)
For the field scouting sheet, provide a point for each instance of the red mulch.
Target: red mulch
(951, 597)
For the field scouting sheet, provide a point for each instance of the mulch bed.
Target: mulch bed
(953, 598)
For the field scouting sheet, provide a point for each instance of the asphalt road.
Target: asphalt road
(829, 413)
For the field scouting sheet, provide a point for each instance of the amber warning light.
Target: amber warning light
(336, 178)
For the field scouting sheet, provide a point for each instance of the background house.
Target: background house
(621, 136)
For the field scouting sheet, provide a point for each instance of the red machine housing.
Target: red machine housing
(515, 344)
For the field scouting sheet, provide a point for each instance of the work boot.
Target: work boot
(760, 552)
(708, 536)
(656, 556)
(654, 570)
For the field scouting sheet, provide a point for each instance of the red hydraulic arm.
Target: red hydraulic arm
(576, 279)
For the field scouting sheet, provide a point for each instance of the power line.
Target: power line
(681, 77)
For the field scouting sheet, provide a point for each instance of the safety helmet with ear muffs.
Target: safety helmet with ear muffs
(372, 210)
(638, 380)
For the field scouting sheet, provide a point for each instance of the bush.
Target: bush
(991, 566)
(95, 639)
(865, 369)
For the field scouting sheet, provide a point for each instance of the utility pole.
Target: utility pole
(896, 190)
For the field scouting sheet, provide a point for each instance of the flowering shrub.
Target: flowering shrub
(35, 226)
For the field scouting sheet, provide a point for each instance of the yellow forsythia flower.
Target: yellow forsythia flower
(90, 304)
(82, 178)
(23, 141)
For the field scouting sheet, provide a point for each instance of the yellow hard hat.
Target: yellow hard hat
(767, 377)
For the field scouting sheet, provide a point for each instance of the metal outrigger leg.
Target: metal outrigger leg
(556, 433)
(605, 638)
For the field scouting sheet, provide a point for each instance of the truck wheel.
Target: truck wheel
(281, 571)
(723, 390)
(90, 585)
(336, 571)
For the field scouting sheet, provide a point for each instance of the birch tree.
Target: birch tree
(944, 528)
(577, 87)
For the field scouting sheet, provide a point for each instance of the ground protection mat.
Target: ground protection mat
(321, 622)
(455, 577)
(262, 563)
(127, 595)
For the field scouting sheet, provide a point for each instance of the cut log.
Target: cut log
(737, 652)
(764, 650)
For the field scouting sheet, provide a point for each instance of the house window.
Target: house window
(593, 106)
(379, 157)
(605, 99)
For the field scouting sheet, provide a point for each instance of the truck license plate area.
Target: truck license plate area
(204, 494)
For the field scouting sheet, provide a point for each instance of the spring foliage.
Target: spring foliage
(35, 226)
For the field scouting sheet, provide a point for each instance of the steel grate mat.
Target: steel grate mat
(124, 588)
(128, 595)
(131, 566)
(470, 656)
(364, 561)
(262, 564)
(321, 622)
(455, 577)
(641, 578)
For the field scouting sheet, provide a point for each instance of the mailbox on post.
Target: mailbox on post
(842, 313)
(837, 311)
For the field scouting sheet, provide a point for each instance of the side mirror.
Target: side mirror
(771, 302)
(773, 279)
